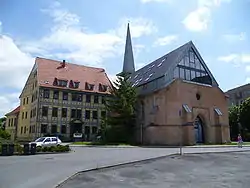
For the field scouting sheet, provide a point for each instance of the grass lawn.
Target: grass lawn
(235, 143)
(99, 143)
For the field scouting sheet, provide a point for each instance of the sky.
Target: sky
(93, 32)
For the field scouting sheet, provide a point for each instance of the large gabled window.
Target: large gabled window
(190, 68)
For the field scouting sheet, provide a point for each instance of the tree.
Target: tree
(244, 117)
(234, 121)
(2, 120)
(120, 122)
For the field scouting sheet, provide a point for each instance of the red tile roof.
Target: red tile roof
(48, 70)
(15, 111)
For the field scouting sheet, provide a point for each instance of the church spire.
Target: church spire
(128, 62)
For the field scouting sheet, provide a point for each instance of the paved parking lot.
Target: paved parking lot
(46, 171)
(189, 171)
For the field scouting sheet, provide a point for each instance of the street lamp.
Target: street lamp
(181, 134)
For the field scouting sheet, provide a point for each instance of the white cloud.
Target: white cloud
(8, 102)
(248, 68)
(199, 19)
(0, 27)
(236, 59)
(15, 64)
(235, 37)
(158, 1)
(81, 45)
(67, 39)
(163, 41)
(138, 27)
(247, 80)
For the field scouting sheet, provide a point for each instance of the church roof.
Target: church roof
(162, 65)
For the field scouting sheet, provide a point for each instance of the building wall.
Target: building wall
(27, 99)
(238, 95)
(165, 118)
(91, 123)
(11, 125)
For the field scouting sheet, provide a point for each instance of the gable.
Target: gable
(191, 67)
(157, 68)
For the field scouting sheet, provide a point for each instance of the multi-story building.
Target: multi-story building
(179, 99)
(62, 98)
(238, 95)
(11, 122)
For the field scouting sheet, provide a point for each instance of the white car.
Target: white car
(47, 141)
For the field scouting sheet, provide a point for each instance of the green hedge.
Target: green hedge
(19, 149)
(58, 148)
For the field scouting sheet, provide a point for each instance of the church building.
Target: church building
(180, 102)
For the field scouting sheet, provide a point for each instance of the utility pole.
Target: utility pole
(181, 134)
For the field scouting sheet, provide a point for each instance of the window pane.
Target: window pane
(191, 56)
(182, 73)
(176, 72)
(192, 75)
(187, 74)
(202, 68)
(198, 74)
(202, 74)
(192, 64)
(186, 61)
(181, 62)
(197, 63)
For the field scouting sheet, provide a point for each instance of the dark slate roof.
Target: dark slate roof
(158, 68)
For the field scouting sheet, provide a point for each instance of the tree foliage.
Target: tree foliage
(233, 121)
(239, 120)
(244, 115)
(119, 124)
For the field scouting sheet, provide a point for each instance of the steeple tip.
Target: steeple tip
(128, 63)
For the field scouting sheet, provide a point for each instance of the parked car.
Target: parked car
(47, 141)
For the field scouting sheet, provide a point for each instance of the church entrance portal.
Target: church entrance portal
(199, 132)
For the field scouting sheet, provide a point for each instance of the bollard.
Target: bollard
(11, 149)
(4, 149)
(33, 149)
(26, 149)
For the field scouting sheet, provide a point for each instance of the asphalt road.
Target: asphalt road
(46, 171)
(187, 171)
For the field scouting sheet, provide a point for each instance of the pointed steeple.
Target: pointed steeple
(128, 62)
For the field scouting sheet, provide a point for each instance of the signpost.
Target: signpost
(181, 135)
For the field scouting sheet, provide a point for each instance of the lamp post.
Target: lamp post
(181, 134)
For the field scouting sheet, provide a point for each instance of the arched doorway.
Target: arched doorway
(75, 127)
(198, 128)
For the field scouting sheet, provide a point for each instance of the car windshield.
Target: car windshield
(40, 139)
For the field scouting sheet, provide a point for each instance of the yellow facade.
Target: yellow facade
(30, 88)
(11, 125)
(30, 120)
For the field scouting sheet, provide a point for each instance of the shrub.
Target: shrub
(18, 149)
(44, 149)
(39, 149)
(58, 148)
(4, 134)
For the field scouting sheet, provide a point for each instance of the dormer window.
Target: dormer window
(103, 88)
(60, 82)
(55, 83)
(89, 86)
(76, 84)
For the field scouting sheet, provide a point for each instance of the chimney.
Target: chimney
(63, 64)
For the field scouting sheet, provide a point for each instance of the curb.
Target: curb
(102, 146)
(139, 161)
(96, 146)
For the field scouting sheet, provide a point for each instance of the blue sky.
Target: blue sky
(92, 32)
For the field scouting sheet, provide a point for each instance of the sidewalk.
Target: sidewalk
(127, 146)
